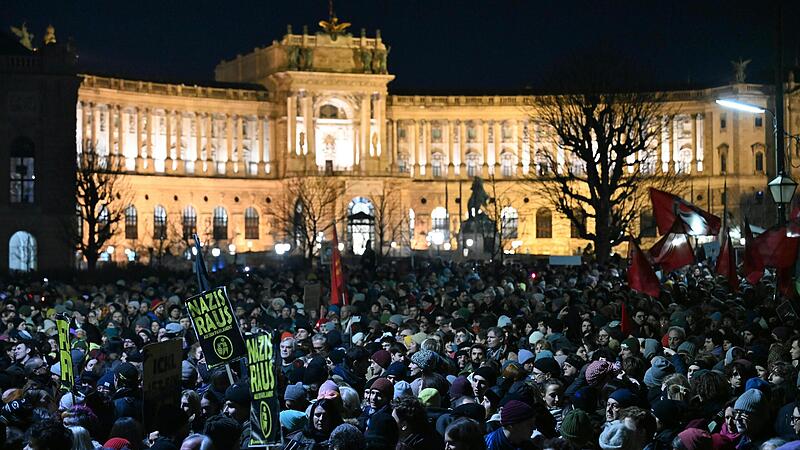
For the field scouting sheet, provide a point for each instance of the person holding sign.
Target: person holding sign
(325, 416)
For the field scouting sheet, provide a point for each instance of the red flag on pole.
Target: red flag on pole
(776, 248)
(753, 262)
(669, 209)
(641, 277)
(672, 251)
(625, 321)
(338, 291)
(726, 263)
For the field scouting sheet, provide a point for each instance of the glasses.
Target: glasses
(794, 420)
(743, 414)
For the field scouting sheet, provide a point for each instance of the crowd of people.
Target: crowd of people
(447, 355)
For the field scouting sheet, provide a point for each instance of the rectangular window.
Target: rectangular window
(647, 225)
(131, 227)
(759, 121)
(159, 227)
(22, 180)
(189, 226)
(436, 169)
(472, 169)
(723, 121)
(251, 227)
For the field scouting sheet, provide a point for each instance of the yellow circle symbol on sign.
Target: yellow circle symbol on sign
(223, 346)
(265, 417)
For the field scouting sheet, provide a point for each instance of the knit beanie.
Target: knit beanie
(397, 369)
(424, 359)
(632, 344)
(625, 397)
(695, 439)
(238, 393)
(651, 348)
(402, 388)
(752, 401)
(729, 355)
(117, 443)
(598, 372)
(668, 412)
(295, 392)
(535, 337)
(660, 367)
(524, 356)
(329, 389)
(541, 354)
(429, 397)
(382, 358)
(687, 348)
(293, 420)
(615, 437)
(515, 411)
(577, 426)
(487, 373)
(758, 383)
(384, 386)
(548, 365)
(459, 388)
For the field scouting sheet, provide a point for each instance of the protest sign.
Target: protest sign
(216, 327)
(161, 378)
(311, 297)
(264, 408)
(64, 354)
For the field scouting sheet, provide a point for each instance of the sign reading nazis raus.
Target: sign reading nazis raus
(217, 329)
(64, 353)
(265, 427)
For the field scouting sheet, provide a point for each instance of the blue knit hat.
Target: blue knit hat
(624, 397)
(660, 367)
(752, 401)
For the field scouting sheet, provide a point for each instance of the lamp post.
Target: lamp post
(782, 187)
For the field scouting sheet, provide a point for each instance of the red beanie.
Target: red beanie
(382, 358)
(515, 411)
(384, 386)
(117, 443)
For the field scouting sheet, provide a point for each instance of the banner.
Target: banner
(217, 329)
(64, 355)
(161, 378)
(265, 427)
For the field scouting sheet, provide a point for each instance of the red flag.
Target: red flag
(338, 292)
(669, 209)
(641, 277)
(672, 251)
(753, 262)
(726, 263)
(776, 248)
(625, 321)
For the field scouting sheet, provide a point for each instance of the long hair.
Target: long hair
(466, 432)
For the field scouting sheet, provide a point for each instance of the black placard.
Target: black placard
(216, 326)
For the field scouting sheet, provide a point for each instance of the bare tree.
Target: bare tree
(390, 219)
(603, 158)
(102, 195)
(498, 211)
(308, 207)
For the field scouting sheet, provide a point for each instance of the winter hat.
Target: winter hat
(69, 400)
(547, 365)
(660, 367)
(329, 389)
(382, 358)
(503, 321)
(632, 344)
(238, 393)
(429, 397)
(425, 359)
(487, 373)
(459, 388)
(729, 355)
(187, 370)
(535, 337)
(402, 388)
(515, 411)
(651, 348)
(524, 355)
(127, 373)
(384, 386)
(397, 368)
(293, 420)
(687, 348)
(117, 443)
(577, 426)
(668, 411)
(624, 397)
(615, 437)
(695, 439)
(358, 337)
(598, 371)
(295, 392)
(758, 383)
(752, 401)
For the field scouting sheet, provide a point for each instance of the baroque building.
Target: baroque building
(216, 159)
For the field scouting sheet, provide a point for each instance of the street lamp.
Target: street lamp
(782, 187)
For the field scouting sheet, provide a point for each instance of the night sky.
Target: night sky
(438, 46)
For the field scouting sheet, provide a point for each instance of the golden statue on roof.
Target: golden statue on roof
(332, 25)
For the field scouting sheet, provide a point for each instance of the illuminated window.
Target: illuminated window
(131, 223)
(189, 222)
(507, 164)
(510, 221)
(220, 223)
(22, 252)
(544, 224)
(436, 165)
(440, 230)
(472, 164)
(250, 223)
(22, 175)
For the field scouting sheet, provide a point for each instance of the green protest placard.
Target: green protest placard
(161, 378)
(64, 354)
(216, 327)
(265, 427)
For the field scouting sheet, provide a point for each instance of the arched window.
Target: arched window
(22, 175)
(507, 164)
(510, 221)
(22, 252)
(189, 222)
(220, 223)
(360, 224)
(684, 162)
(542, 163)
(544, 223)
(250, 223)
(723, 163)
(436, 164)
(473, 159)
(440, 229)
(760, 162)
(131, 223)
(647, 224)
(577, 164)
(159, 223)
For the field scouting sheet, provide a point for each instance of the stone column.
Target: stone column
(94, 143)
(123, 130)
(665, 145)
(674, 141)
(109, 131)
(485, 148)
(271, 146)
(498, 145)
(448, 128)
(364, 128)
(291, 119)
(180, 152)
(211, 158)
(380, 116)
(139, 145)
(699, 136)
(413, 141)
(240, 163)
(168, 160)
(229, 144)
(394, 150)
(462, 147)
(199, 165)
(149, 160)
(425, 150)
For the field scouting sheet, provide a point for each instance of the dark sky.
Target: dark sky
(437, 45)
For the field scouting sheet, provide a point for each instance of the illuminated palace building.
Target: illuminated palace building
(216, 159)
